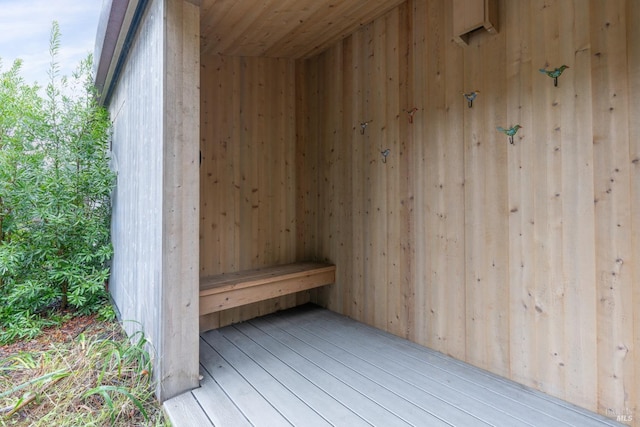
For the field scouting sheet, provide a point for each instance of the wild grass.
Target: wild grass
(99, 379)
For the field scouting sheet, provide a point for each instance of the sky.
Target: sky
(25, 29)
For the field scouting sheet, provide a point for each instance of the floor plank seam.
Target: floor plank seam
(379, 384)
(479, 371)
(319, 367)
(275, 378)
(202, 409)
(423, 389)
(551, 400)
(489, 375)
(337, 378)
(313, 317)
(484, 373)
(249, 383)
(204, 368)
(442, 383)
(311, 367)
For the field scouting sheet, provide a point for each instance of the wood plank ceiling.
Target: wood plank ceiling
(283, 28)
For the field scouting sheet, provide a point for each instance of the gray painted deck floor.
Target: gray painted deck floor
(311, 367)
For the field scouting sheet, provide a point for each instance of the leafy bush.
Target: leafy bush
(55, 186)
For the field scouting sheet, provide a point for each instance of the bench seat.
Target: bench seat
(229, 290)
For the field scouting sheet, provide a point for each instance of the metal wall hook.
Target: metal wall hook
(555, 73)
(411, 113)
(470, 97)
(363, 126)
(385, 153)
(510, 132)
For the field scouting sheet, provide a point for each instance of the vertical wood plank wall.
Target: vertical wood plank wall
(180, 200)
(138, 143)
(523, 259)
(247, 175)
(154, 217)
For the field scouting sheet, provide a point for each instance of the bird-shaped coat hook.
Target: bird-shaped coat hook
(385, 153)
(363, 126)
(470, 96)
(509, 132)
(411, 112)
(555, 73)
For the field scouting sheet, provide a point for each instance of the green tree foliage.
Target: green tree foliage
(55, 186)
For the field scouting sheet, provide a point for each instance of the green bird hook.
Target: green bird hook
(509, 132)
(555, 73)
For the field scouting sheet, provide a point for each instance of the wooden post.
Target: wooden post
(178, 324)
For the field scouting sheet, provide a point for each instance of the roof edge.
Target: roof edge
(119, 21)
(107, 35)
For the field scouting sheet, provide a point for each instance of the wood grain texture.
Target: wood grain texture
(519, 75)
(633, 66)
(472, 15)
(521, 259)
(136, 218)
(283, 29)
(614, 285)
(180, 198)
(185, 410)
(155, 207)
(578, 230)
(248, 173)
(417, 168)
(407, 98)
(486, 180)
(441, 183)
(229, 290)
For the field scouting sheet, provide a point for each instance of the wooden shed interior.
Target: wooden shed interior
(336, 131)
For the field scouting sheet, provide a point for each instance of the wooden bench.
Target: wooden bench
(230, 290)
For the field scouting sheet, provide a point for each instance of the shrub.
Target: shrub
(55, 186)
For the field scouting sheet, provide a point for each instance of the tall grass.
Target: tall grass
(99, 379)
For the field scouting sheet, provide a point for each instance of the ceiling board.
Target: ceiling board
(283, 28)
